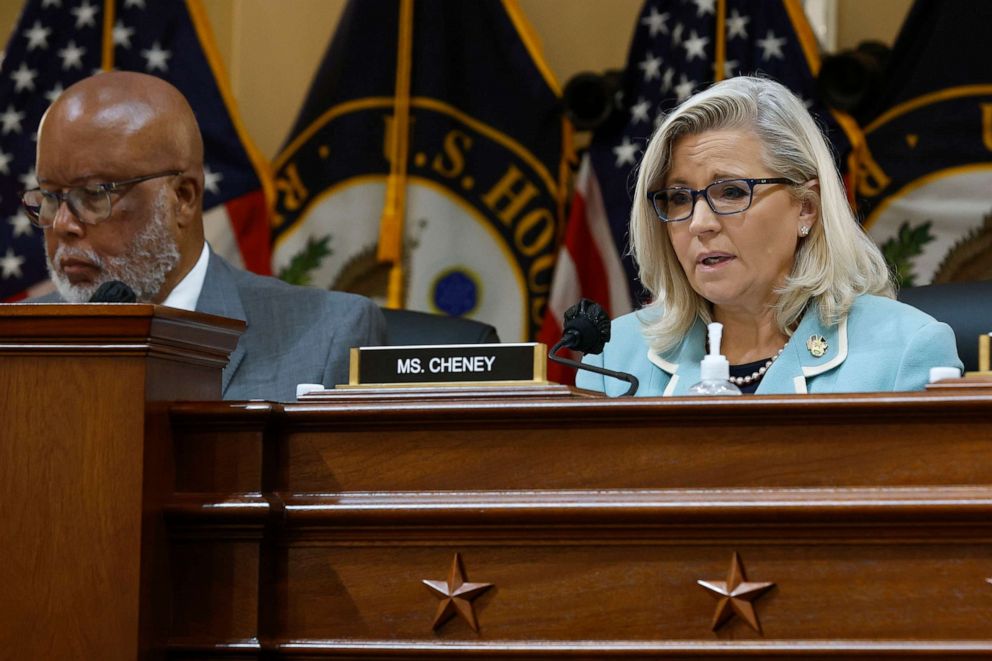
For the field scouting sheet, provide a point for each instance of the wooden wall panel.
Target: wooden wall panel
(215, 586)
(641, 592)
(594, 521)
(672, 452)
(69, 515)
(86, 468)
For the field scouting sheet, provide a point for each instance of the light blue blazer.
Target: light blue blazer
(881, 346)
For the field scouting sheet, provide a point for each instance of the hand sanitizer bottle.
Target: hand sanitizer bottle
(714, 368)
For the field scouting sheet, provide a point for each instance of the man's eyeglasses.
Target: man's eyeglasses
(724, 197)
(90, 204)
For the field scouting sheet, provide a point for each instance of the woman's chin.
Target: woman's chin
(718, 291)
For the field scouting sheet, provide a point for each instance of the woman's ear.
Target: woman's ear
(809, 211)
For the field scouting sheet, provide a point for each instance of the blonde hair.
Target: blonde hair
(834, 264)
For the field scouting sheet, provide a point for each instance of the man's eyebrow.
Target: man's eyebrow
(84, 180)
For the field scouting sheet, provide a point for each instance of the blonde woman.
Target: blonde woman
(740, 217)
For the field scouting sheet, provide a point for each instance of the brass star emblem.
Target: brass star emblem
(456, 596)
(736, 595)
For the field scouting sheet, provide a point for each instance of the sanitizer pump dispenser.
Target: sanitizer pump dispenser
(714, 369)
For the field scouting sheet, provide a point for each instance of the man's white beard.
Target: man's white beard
(152, 255)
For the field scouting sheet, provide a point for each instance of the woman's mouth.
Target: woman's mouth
(715, 260)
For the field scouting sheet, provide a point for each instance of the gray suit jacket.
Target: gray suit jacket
(294, 334)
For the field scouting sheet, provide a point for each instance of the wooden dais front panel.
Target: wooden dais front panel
(845, 526)
(85, 465)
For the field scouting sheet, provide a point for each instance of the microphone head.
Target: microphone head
(114, 291)
(589, 326)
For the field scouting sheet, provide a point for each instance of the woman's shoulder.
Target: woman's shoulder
(872, 309)
(897, 339)
(634, 322)
(627, 330)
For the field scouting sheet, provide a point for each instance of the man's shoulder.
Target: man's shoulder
(272, 291)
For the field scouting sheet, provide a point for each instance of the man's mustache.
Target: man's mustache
(64, 252)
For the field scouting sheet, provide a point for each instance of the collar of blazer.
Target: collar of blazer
(789, 372)
(220, 296)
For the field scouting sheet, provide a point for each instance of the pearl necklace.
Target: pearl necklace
(758, 373)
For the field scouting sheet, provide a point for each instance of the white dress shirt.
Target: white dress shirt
(186, 294)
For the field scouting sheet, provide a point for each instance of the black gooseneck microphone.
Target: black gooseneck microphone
(587, 329)
(114, 291)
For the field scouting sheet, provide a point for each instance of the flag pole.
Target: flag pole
(391, 222)
(855, 136)
(720, 42)
(107, 41)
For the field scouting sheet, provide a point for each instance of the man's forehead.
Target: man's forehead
(84, 152)
(114, 127)
(128, 115)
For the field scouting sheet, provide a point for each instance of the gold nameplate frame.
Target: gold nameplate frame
(449, 365)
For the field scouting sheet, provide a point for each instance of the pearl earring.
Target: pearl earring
(803, 231)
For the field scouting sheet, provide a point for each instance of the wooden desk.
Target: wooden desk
(306, 530)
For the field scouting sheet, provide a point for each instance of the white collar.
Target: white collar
(186, 294)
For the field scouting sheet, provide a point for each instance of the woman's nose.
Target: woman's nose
(703, 219)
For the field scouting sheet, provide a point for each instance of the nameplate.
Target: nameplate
(449, 364)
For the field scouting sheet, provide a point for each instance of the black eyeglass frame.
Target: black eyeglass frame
(34, 212)
(704, 192)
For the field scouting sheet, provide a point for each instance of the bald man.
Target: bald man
(120, 175)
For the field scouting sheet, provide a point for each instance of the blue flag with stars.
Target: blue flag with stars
(58, 42)
(682, 46)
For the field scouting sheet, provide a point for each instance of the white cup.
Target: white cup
(941, 373)
(307, 388)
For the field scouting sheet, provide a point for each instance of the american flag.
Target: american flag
(678, 47)
(58, 42)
